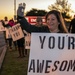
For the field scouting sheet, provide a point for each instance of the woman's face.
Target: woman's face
(52, 22)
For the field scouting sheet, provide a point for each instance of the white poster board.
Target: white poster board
(16, 32)
(52, 54)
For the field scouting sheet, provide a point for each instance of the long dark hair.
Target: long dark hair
(62, 26)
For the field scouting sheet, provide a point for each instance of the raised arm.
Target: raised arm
(31, 28)
(28, 27)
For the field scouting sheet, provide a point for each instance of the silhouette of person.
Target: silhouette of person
(72, 25)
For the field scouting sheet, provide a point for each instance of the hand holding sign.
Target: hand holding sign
(52, 54)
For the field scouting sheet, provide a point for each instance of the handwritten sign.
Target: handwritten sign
(16, 32)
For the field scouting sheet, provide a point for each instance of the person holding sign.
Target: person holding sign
(54, 22)
(20, 42)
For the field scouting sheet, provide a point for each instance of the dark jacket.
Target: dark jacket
(32, 28)
(72, 25)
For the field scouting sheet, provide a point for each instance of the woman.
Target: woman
(54, 21)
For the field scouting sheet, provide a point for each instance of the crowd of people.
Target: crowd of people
(18, 44)
(54, 24)
(7, 24)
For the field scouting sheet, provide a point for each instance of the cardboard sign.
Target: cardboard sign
(8, 34)
(52, 54)
(1, 27)
(16, 32)
(27, 41)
